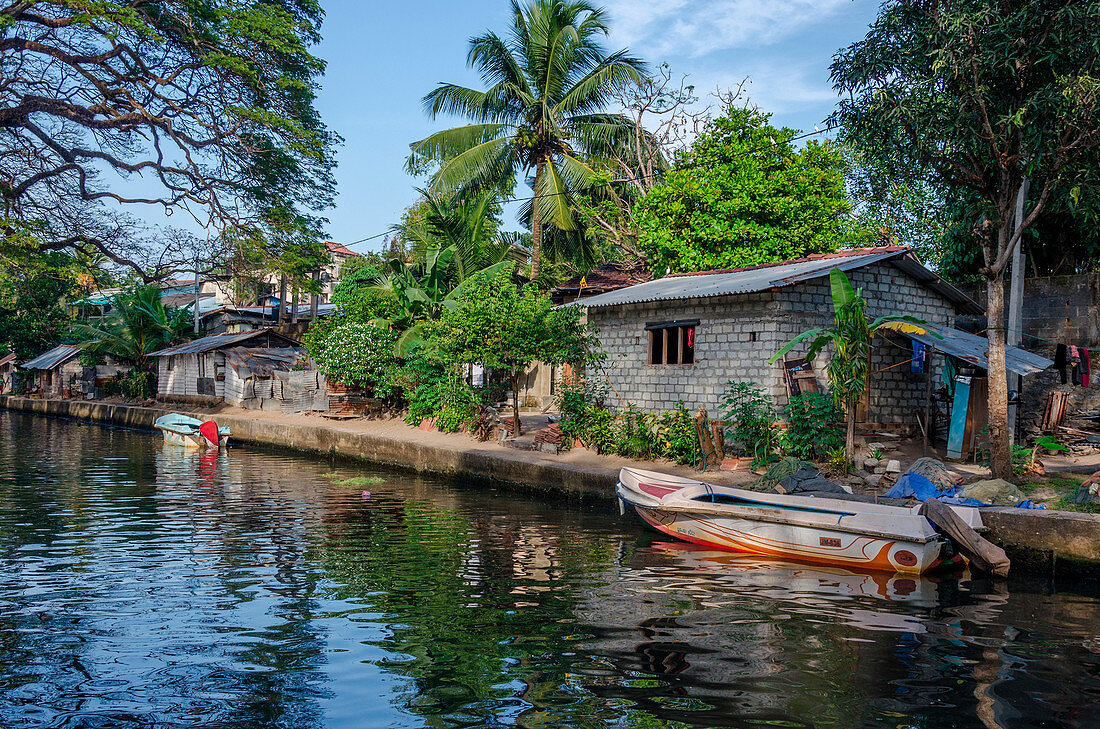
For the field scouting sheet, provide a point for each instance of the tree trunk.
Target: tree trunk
(536, 224)
(850, 432)
(999, 448)
(515, 404)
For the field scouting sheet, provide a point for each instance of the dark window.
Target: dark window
(672, 342)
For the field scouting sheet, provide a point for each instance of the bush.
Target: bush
(633, 437)
(815, 426)
(750, 410)
(458, 404)
(675, 434)
(136, 385)
(359, 355)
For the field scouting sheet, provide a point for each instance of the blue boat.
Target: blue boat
(183, 430)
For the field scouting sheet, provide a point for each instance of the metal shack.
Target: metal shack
(260, 370)
(55, 373)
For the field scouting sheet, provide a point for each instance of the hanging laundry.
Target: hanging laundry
(916, 365)
(1084, 367)
(1074, 365)
(1060, 361)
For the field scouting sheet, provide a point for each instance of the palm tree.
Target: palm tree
(465, 221)
(138, 325)
(851, 336)
(547, 84)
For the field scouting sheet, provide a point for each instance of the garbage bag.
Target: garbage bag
(809, 478)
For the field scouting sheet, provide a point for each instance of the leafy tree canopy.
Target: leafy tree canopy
(743, 195)
(138, 325)
(498, 324)
(33, 295)
(981, 95)
(209, 102)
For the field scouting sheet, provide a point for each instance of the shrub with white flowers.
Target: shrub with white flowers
(360, 355)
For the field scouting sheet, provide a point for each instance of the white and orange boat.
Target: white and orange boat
(808, 528)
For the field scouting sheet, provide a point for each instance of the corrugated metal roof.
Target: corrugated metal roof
(220, 341)
(59, 355)
(745, 281)
(7, 359)
(973, 349)
(763, 278)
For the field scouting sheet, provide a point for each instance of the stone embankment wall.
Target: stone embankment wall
(1057, 309)
(1037, 541)
(473, 462)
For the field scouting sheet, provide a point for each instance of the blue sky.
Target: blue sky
(384, 56)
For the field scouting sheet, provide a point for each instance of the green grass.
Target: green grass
(354, 481)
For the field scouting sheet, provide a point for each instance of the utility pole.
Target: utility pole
(282, 299)
(1014, 335)
(197, 297)
(315, 299)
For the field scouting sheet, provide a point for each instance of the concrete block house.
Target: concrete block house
(684, 337)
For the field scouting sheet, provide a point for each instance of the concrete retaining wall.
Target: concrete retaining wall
(1037, 541)
(328, 439)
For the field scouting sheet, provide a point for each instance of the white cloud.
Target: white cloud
(778, 89)
(699, 27)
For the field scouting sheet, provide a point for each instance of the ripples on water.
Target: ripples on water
(145, 586)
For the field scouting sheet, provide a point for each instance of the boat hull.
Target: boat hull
(189, 440)
(803, 542)
(183, 430)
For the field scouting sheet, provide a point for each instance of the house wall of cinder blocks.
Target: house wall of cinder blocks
(738, 334)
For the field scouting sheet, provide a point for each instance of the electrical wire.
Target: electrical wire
(532, 198)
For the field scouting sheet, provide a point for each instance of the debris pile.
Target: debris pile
(549, 438)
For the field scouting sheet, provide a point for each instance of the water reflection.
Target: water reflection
(145, 585)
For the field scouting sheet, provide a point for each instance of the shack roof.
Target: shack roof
(974, 349)
(339, 249)
(265, 362)
(56, 357)
(752, 279)
(605, 277)
(257, 338)
(7, 359)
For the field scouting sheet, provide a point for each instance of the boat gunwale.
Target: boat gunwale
(749, 513)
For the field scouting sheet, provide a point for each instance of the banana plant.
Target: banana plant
(423, 292)
(850, 336)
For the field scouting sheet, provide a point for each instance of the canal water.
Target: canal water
(145, 586)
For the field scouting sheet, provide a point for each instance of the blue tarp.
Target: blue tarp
(918, 487)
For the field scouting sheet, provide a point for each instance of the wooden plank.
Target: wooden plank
(983, 554)
(958, 417)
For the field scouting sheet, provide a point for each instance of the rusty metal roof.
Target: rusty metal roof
(257, 337)
(59, 355)
(7, 359)
(775, 275)
(973, 349)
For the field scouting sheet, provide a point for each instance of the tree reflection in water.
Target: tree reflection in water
(143, 585)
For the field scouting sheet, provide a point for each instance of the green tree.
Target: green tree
(742, 195)
(211, 102)
(357, 294)
(981, 95)
(138, 325)
(505, 327)
(33, 293)
(548, 82)
(850, 337)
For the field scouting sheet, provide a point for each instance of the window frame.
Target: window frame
(667, 341)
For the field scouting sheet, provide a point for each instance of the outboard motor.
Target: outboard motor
(209, 431)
